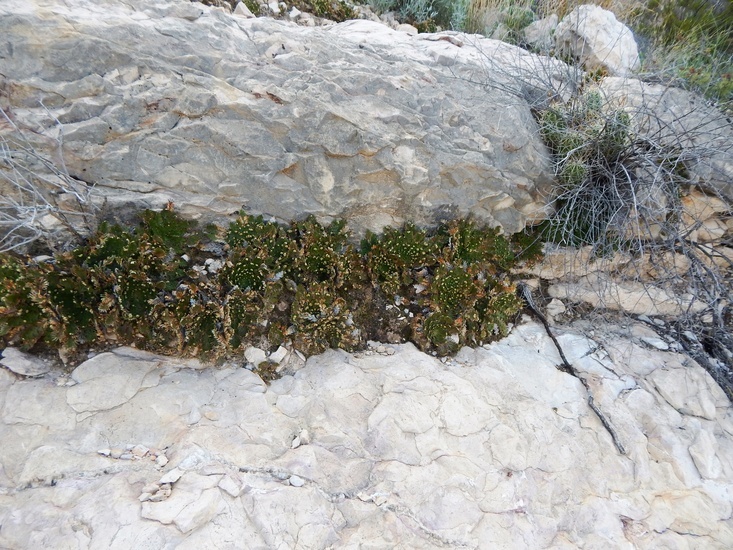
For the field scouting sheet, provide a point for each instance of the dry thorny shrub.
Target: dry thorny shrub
(38, 197)
(638, 196)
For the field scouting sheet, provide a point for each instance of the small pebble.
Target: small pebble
(278, 355)
(255, 355)
(104, 452)
(145, 497)
(161, 461)
(296, 481)
(127, 456)
(140, 450)
(116, 452)
(172, 476)
(657, 343)
(211, 415)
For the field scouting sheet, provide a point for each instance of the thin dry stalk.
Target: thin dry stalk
(38, 197)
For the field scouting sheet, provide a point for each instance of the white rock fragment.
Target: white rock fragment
(172, 476)
(200, 511)
(144, 497)
(657, 343)
(104, 452)
(278, 355)
(296, 481)
(409, 29)
(23, 363)
(213, 266)
(255, 356)
(230, 486)
(703, 453)
(274, 7)
(555, 307)
(242, 10)
(161, 461)
(140, 451)
(598, 40)
(295, 443)
(115, 452)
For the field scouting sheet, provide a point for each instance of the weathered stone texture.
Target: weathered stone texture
(394, 450)
(172, 100)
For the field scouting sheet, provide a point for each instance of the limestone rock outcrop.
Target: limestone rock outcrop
(598, 41)
(158, 101)
(496, 448)
(677, 119)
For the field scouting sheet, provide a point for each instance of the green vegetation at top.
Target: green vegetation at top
(687, 42)
(169, 287)
(691, 40)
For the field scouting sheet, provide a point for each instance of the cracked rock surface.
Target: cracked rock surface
(159, 101)
(495, 448)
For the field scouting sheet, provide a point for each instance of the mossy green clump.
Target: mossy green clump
(168, 287)
(394, 258)
(24, 315)
(446, 280)
(322, 320)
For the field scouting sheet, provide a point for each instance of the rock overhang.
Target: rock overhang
(213, 112)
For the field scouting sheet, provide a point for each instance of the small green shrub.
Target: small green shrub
(596, 157)
(335, 10)
(690, 41)
(426, 15)
(253, 6)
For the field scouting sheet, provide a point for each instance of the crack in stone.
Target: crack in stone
(281, 475)
(52, 481)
